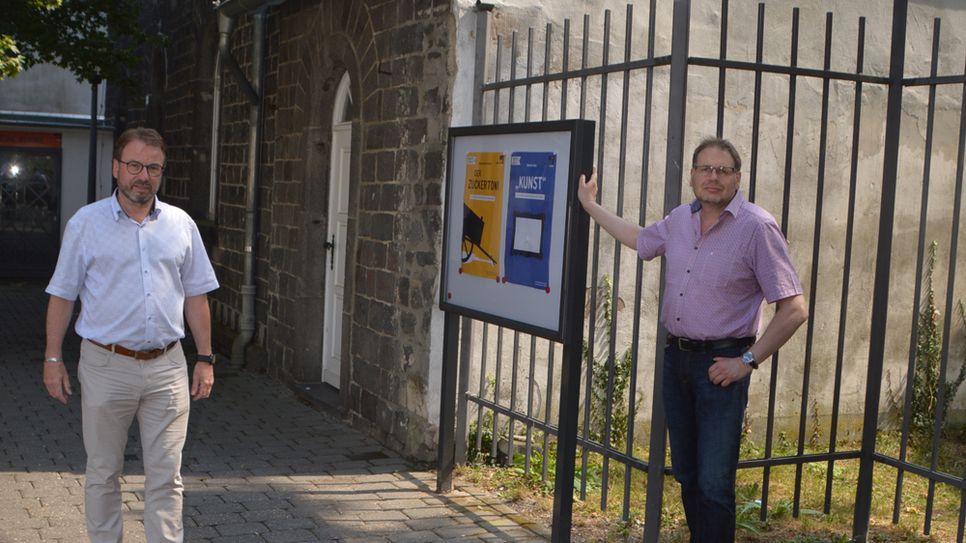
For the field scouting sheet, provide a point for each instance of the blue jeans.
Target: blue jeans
(704, 422)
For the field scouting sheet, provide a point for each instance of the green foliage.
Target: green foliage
(926, 379)
(602, 367)
(748, 509)
(534, 476)
(482, 454)
(94, 39)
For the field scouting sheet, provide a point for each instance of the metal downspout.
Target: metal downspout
(246, 322)
(215, 129)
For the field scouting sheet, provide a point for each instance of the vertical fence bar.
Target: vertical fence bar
(565, 68)
(445, 455)
(786, 192)
(482, 391)
(551, 348)
(846, 272)
(880, 297)
(585, 45)
(466, 327)
(639, 264)
(957, 210)
(529, 87)
(512, 91)
(514, 377)
(756, 108)
(577, 233)
(497, 77)
(790, 132)
(816, 254)
(917, 292)
(533, 360)
(546, 70)
(615, 284)
(595, 263)
(531, 377)
(465, 361)
(479, 68)
(677, 106)
(947, 328)
(723, 55)
(496, 393)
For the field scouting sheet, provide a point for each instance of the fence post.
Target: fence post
(677, 104)
(446, 453)
(466, 329)
(880, 295)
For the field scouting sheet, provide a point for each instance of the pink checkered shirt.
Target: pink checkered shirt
(715, 283)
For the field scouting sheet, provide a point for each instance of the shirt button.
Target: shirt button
(681, 294)
(678, 319)
(685, 271)
(695, 247)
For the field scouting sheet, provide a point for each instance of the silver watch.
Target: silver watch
(749, 358)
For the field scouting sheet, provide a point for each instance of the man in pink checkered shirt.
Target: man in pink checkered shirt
(724, 255)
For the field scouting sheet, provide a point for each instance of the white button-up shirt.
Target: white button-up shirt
(132, 278)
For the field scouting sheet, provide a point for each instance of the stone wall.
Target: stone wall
(397, 55)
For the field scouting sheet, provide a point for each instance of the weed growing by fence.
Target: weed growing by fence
(927, 382)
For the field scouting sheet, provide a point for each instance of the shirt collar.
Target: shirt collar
(733, 206)
(117, 212)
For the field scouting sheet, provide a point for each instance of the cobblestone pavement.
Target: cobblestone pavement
(259, 465)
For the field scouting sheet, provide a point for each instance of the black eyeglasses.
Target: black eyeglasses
(134, 167)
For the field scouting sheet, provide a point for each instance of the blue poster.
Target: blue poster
(529, 213)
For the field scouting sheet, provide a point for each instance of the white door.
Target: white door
(335, 245)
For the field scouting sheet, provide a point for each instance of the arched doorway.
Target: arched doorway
(335, 244)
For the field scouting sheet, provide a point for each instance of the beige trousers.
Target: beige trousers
(115, 389)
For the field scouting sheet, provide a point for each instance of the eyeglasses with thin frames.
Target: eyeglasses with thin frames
(134, 167)
(705, 169)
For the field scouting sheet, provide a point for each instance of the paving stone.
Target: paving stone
(259, 465)
(415, 537)
(289, 536)
(14, 535)
(241, 528)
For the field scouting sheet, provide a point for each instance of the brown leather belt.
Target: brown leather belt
(137, 355)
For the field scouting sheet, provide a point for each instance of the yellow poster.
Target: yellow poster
(482, 215)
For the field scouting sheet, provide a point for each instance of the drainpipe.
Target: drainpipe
(215, 128)
(226, 23)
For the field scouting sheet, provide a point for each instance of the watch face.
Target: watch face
(748, 357)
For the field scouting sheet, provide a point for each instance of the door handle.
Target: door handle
(330, 246)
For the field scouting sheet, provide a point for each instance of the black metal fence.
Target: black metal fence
(859, 153)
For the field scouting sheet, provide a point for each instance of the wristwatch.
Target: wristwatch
(209, 358)
(749, 358)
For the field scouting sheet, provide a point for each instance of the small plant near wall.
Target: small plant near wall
(926, 379)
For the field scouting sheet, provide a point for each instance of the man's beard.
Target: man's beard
(137, 198)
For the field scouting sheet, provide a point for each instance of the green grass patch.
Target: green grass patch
(598, 519)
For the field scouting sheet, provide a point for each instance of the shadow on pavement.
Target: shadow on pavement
(259, 464)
